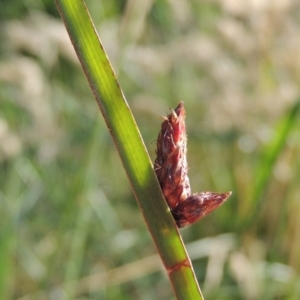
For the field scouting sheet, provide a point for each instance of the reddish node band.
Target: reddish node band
(184, 263)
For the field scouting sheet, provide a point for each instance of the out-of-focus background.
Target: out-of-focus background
(70, 226)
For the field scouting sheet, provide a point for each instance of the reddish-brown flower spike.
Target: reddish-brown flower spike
(171, 171)
(170, 163)
(198, 206)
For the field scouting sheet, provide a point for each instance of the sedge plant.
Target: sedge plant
(132, 151)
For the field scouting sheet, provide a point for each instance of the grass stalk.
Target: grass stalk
(130, 146)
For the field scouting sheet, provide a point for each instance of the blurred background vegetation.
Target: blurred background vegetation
(70, 226)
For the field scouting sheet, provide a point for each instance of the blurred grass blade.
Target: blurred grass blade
(130, 146)
(8, 238)
(269, 157)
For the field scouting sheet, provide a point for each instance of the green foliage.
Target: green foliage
(67, 210)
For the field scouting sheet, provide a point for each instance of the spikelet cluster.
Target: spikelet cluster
(171, 171)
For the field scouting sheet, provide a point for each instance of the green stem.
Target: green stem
(130, 146)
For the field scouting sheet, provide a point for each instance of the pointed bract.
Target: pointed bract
(198, 206)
